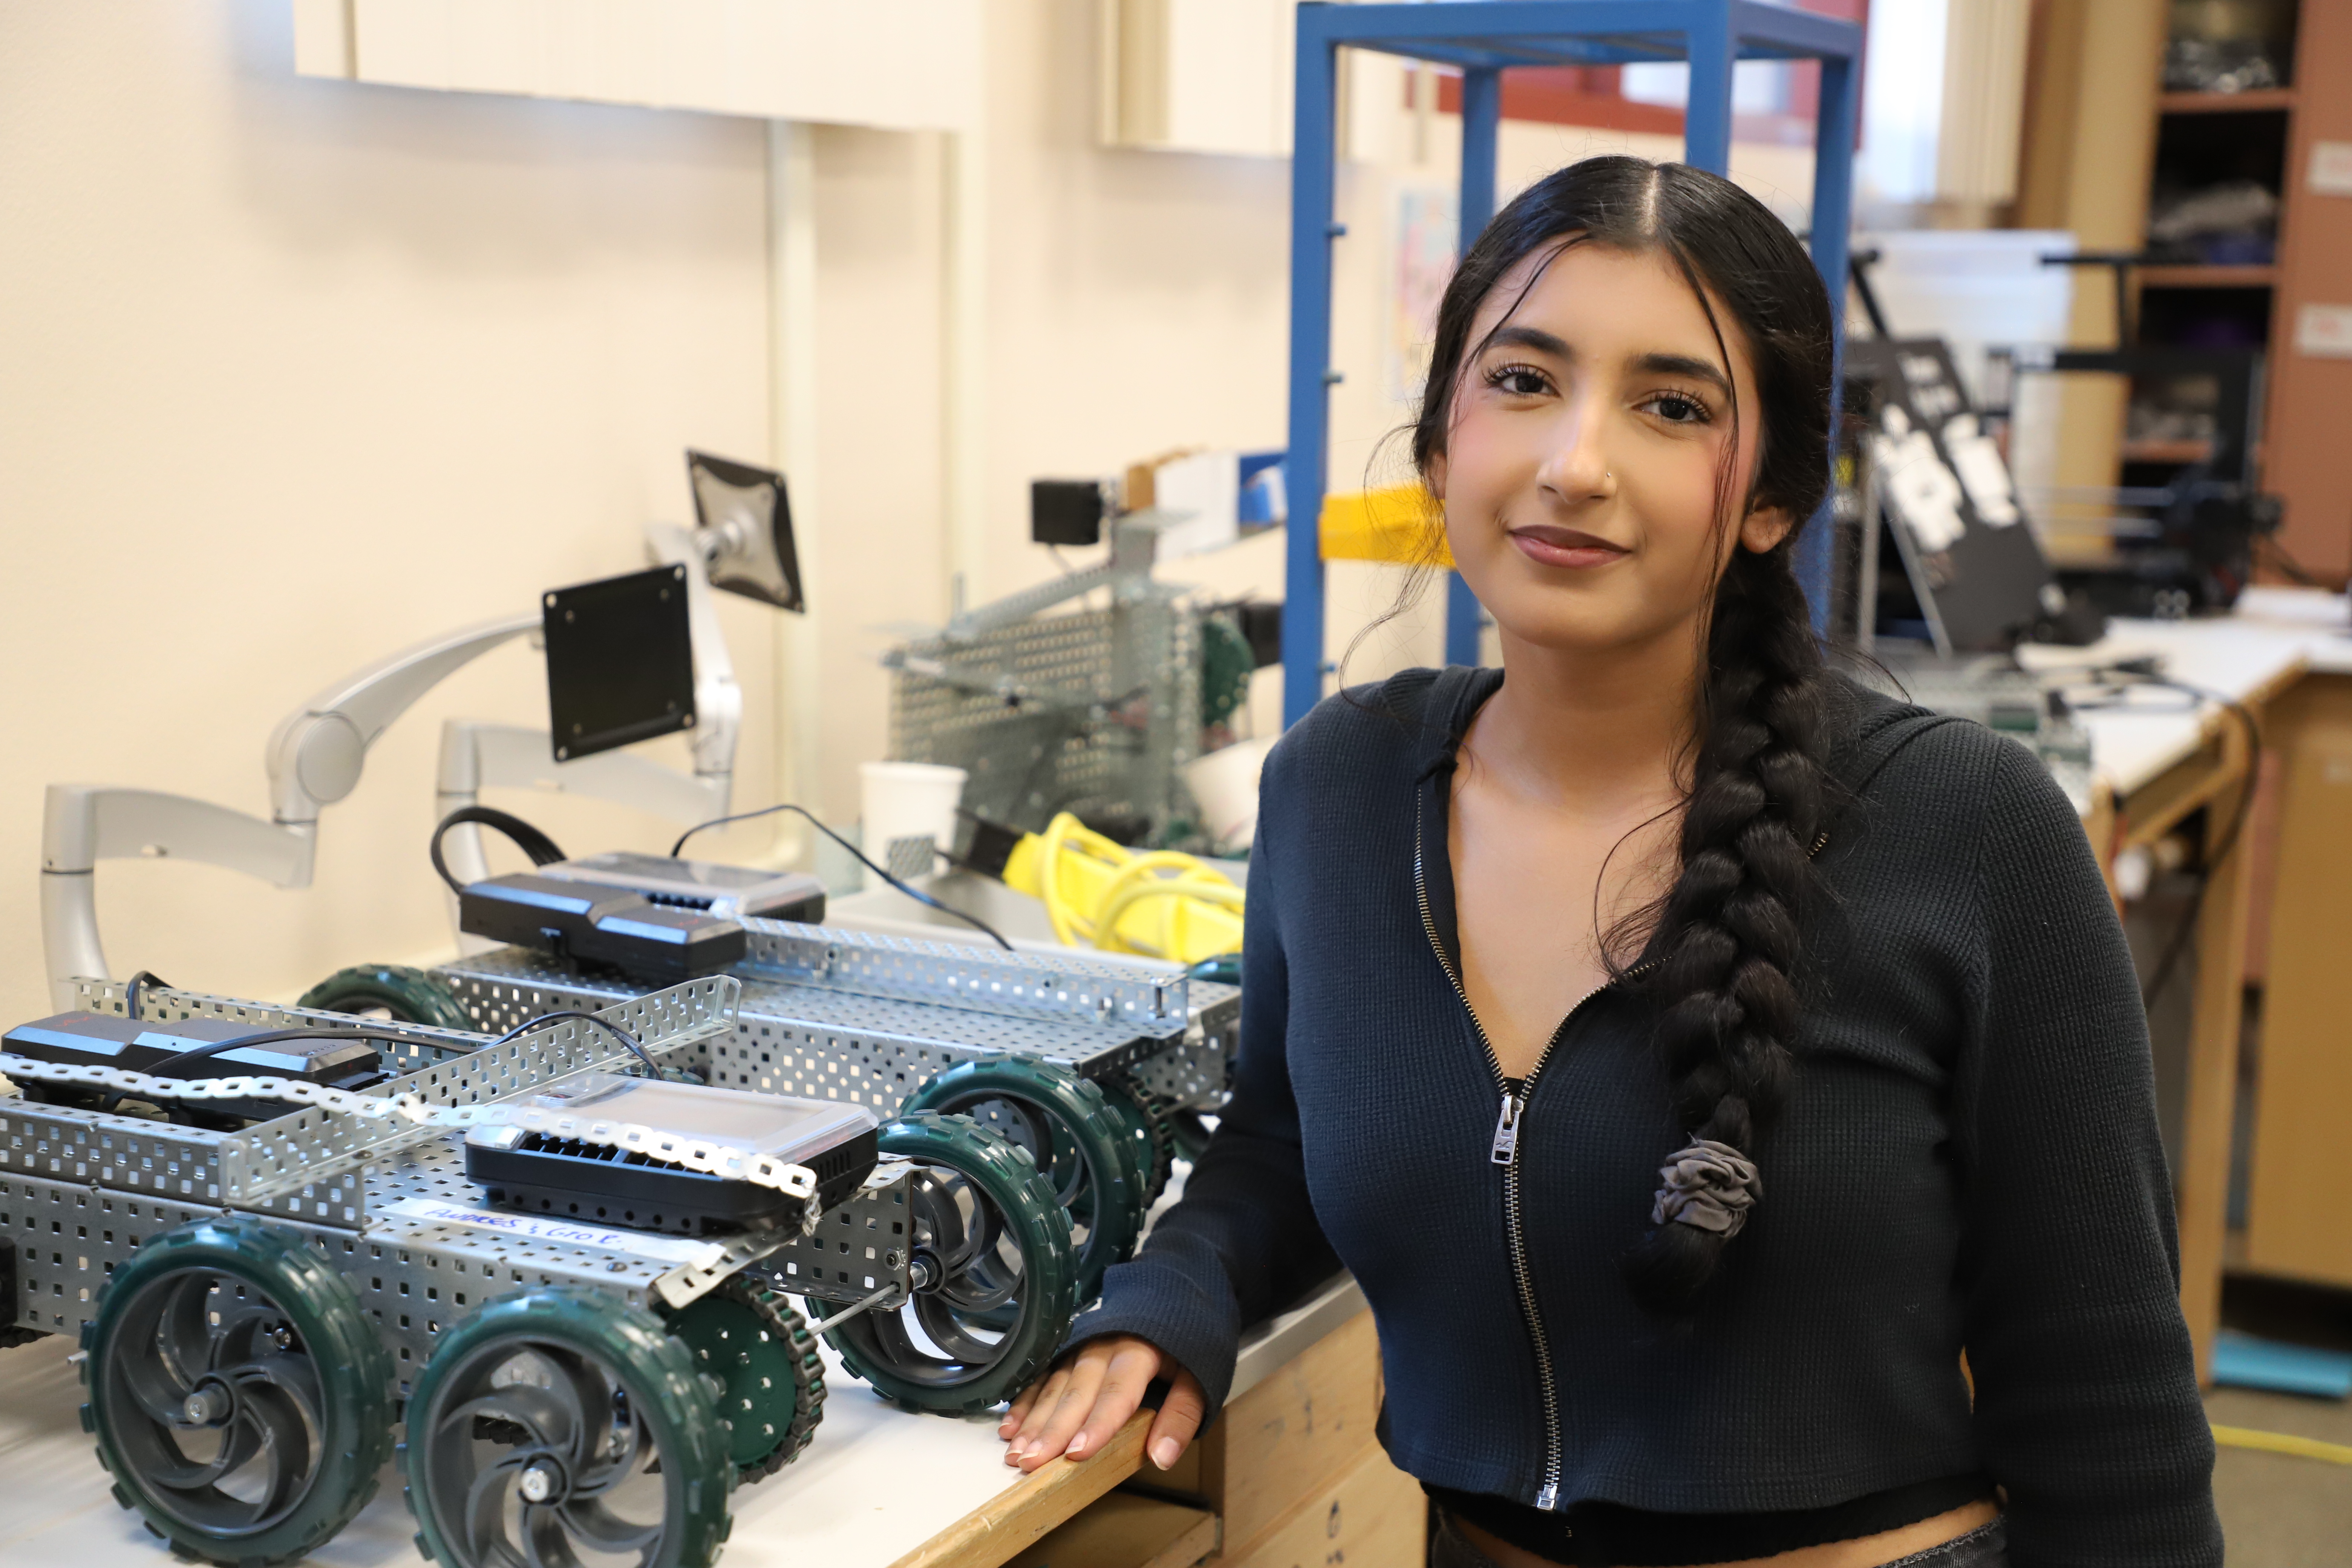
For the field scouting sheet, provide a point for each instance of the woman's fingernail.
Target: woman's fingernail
(1077, 1446)
(1164, 1452)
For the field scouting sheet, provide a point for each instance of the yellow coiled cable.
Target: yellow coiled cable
(1097, 893)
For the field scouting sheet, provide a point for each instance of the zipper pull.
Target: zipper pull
(1507, 1131)
(1547, 1499)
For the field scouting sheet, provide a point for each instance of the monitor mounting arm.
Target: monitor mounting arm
(314, 760)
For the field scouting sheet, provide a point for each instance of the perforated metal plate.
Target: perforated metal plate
(1196, 1071)
(858, 1246)
(413, 1281)
(1151, 1000)
(278, 1158)
(825, 1044)
(68, 1238)
(420, 1045)
(1137, 665)
(126, 1152)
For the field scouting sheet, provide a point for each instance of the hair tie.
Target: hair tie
(1709, 1185)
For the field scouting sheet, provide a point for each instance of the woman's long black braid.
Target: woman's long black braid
(1718, 965)
(1726, 943)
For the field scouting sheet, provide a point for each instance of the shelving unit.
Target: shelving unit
(2225, 103)
(2269, 136)
(2256, 275)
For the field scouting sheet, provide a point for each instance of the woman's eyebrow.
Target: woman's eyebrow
(1681, 364)
(1534, 338)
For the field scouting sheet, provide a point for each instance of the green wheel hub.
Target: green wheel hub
(1068, 1129)
(564, 1421)
(391, 991)
(994, 1286)
(759, 1355)
(238, 1394)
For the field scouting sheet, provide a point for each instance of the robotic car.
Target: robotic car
(1093, 1063)
(552, 1260)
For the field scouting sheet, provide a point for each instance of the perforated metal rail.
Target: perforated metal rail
(276, 1159)
(418, 1045)
(826, 1042)
(1146, 999)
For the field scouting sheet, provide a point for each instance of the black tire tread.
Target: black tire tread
(410, 996)
(295, 1277)
(1027, 1194)
(597, 1322)
(1081, 1107)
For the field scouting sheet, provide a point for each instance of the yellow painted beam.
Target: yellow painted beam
(2281, 1443)
(1401, 524)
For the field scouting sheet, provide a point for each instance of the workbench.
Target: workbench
(2284, 656)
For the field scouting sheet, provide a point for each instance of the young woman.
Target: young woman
(1693, 1056)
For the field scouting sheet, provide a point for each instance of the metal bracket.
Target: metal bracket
(1148, 998)
(278, 1158)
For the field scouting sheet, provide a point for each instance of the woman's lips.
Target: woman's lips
(1550, 546)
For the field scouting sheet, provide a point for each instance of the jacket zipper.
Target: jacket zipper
(1504, 1152)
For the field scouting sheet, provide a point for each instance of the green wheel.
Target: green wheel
(561, 1424)
(990, 1253)
(239, 1396)
(759, 1357)
(1067, 1127)
(1143, 1120)
(389, 991)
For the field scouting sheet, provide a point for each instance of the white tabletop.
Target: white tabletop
(876, 1482)
(2271, 632)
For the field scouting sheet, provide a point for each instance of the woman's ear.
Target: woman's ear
(1433, 478)
(1765, 527)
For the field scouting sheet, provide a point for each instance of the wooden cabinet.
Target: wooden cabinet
(1290, 1470)
(2301, 1162)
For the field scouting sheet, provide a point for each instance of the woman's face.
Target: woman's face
(1581, 472)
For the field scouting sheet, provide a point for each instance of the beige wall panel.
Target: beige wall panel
(294, 373)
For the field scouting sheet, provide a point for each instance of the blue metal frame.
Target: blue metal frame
(1485, 37)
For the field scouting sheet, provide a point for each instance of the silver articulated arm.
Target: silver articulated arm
(315, 757)
(84, 824)
(317, 751)
(717, 700)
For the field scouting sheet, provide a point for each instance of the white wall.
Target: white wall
(293, 373)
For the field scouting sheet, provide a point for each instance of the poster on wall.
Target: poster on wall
(1427, 233)
(1974, 564)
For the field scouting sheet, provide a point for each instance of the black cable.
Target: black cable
(558, 1017)
(166, 1067)
(914, 893)
(136, 986)
(542, 849)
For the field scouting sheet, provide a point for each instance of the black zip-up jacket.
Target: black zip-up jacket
(1968, 1161)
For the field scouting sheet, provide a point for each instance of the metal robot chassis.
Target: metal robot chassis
(373, 1270)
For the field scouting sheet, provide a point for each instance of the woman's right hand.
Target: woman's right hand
(1090, 1394)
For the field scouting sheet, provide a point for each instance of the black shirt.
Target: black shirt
(1969, 1160)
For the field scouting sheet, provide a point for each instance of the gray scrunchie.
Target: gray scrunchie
(1711, 1185)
